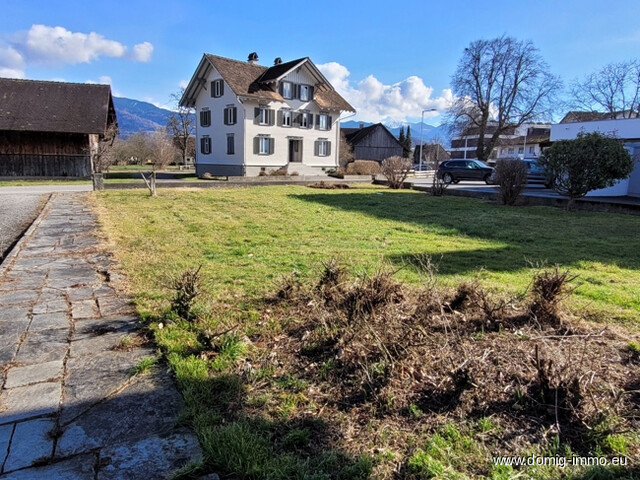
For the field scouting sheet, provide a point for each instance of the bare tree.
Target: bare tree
(500, 84)
(346, 151)
(614, 89)
(163, 150)
(396, 170)
(101, 156)
(181, 125)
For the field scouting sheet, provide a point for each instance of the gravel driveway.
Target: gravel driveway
(17, 211)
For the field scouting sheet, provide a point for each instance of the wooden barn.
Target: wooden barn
(374, 142)
(50, 128)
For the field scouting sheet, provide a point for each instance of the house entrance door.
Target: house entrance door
(295, 150)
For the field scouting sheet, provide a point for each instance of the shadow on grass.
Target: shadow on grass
(535, 234)
(240, 443)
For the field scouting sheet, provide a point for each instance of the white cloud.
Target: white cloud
(142, 52)
(11, 63)
(375, 101)
(183, 83)
(57, 46)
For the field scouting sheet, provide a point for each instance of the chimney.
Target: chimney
(253, 58)
(277, 61)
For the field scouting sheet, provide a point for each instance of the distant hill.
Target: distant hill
(137, 116)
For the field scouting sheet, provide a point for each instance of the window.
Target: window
(230, 115)
(323, 121)
(304, 120)
(205, 145)
(323, 148)
(284, 119)
(217, 88)
(263, 145)
(230, 144)
(521, 150)
(263, 116)
(304, 93)
(286, 90)
(511, 150)
(205, 118)
(531, 149)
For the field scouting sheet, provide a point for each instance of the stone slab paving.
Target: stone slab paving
(70, 405)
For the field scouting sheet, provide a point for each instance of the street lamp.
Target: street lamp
(421, 130)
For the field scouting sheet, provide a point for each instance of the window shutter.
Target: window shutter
(202, 145)
(310, 93)
(281, 89)
(280, 114)
(256, 116)
(213, 89)
(328, 149)
(329, 120)
(296, 90)
(310, 124)
(225, 114)
(271, 145)
(271, 116)
(317, 121)
(316, 148)
(234, 115)
(221, 87)
(256, 145)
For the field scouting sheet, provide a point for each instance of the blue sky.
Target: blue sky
(390, 59)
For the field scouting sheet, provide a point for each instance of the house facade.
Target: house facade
(626, 129)
(52, 128)
(374, 142)
(252, 119)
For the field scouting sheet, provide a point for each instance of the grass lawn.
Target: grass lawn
(258, 418)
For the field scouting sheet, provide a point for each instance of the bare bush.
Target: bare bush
(548, 289)
(396, 170)
(511, 176)
(186, 287)
(363, 167)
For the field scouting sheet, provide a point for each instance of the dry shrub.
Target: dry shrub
(280, 172)
(548, 289)
(511, 177)
(289, 286)
(396, 170)
(328, 186)
(363, 167)
(186, 286)
(330, 287)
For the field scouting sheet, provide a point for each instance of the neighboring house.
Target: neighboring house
(626, 129)
(51, 128)
(374, 142)
(527, 146)
(431, 153)
(464, 146)
(253, 119)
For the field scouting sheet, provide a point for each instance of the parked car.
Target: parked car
(535, 172)
(452, 171)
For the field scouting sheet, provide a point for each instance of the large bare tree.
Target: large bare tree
(500, 84)
(614, 89)
(181, 125)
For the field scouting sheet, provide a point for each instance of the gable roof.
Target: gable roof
(356, 135)
(255, 81)
(43, 106)
(578, 116)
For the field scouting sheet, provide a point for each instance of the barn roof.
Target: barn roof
(356, 135)
(43, 106)
(256, 81)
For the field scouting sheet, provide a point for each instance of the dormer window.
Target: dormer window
(287, 90)
(304, 93)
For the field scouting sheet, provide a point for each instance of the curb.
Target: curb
(8, 260)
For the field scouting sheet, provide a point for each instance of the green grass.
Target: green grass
(248, 238)
(25, 183)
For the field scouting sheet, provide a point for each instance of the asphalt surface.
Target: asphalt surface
(17, 212)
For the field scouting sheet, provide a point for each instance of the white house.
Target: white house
(253, 119)
(626, 129)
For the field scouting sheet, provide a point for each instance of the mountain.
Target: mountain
(136, 116)
(429, 132)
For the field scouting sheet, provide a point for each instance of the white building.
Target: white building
(626, 129)
(253, 119)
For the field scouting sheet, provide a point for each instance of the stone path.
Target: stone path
(70, 405)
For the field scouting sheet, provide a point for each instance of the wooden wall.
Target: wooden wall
(42, 154)
(378, 145)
